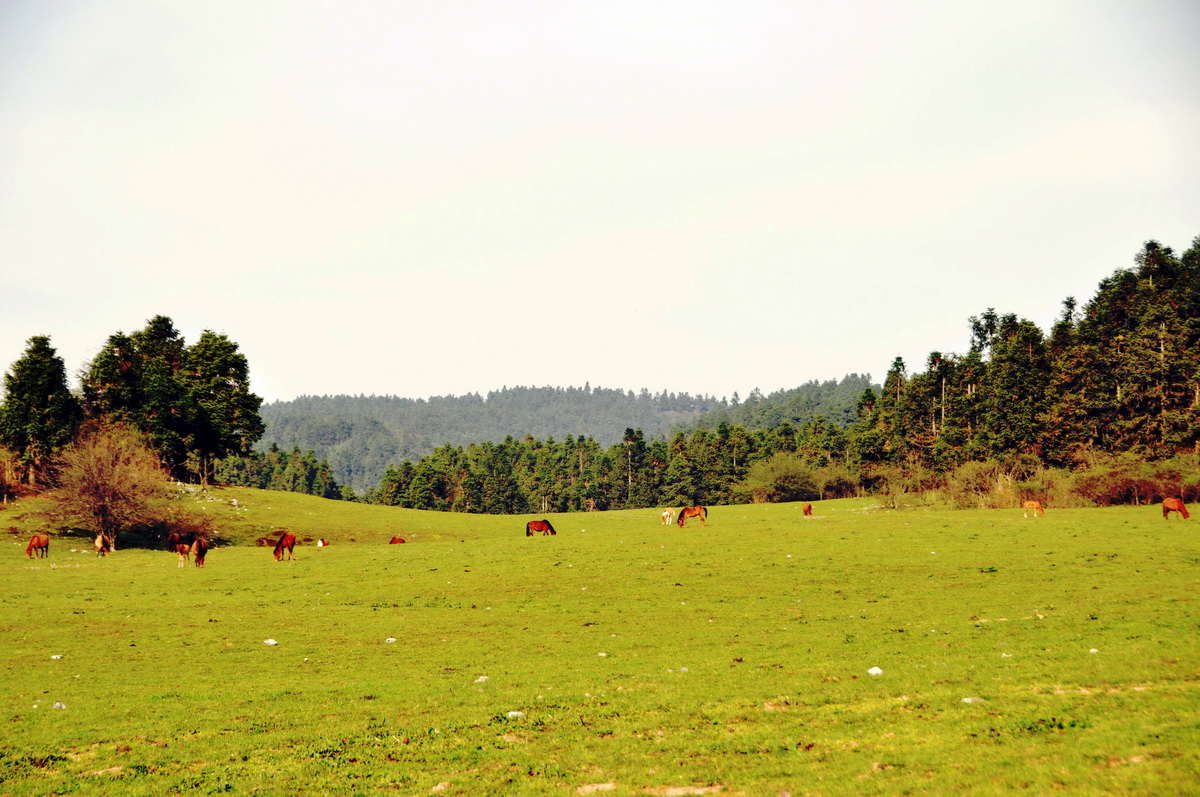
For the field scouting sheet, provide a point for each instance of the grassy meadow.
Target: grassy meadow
(618, 657)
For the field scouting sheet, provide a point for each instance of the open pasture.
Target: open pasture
(619, 657)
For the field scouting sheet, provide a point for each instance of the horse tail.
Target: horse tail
(704, 511)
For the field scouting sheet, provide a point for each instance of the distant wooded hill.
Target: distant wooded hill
(360, 436)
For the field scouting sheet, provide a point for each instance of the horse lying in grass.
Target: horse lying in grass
(1174, 505)
(539, 525)
(693, 511)
(396, 541)
(39, 546)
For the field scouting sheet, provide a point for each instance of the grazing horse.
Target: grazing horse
(693, 511)
(1174, 505)
(103, 546)
(396, 541)
(1035, 507)
(200, 550)
(668, 517)
(39, 546)
(807, 510)
(287, 541)
(184, 550)
(539, 525)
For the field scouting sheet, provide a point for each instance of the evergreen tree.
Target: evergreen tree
(39, 415)
(227, 419)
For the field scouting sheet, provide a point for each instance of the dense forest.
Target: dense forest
(362, 436)
(1103, 408)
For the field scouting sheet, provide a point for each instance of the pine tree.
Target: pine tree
(39, 415)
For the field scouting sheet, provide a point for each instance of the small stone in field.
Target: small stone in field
(874, 671)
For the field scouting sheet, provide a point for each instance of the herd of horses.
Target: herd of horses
(196, 547)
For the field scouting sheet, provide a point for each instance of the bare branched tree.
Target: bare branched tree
(110, 480)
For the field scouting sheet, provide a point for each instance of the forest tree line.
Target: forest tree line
(1086, 409)
(1105, 407)
(361, 436)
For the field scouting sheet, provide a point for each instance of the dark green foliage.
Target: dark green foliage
(294, 472)
(1122, 376)
(194, 403)
(39, 415)
(362, 436)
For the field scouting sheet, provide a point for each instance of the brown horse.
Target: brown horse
(807, 510)
(396, 541)
(539, 525)
(693, 511)
(287, 541)
(1035, 507)
(1174, 505)
(103, 546)
(39, 546)
(200, 550)
(185, 551)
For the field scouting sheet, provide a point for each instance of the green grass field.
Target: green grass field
(618, 657)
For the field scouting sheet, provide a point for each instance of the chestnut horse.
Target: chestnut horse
(200, 550)
(287, 541)
(693, 511)
(1174, 505)
(39, 546)
(807, 510)
(103, 546)
(1035, 507)
(539, 525)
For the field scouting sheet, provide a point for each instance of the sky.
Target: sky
(447, 197)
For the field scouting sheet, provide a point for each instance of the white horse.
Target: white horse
(668, 516)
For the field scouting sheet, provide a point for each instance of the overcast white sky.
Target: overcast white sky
(433, 198)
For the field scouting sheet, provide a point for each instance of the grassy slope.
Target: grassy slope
(736, 655)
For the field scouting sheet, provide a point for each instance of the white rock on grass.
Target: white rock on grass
(1093, 650)
(56, 656)
(481, 679)
(270, 642)
(60, 705)
(513, 715)
(972, 700)
(874, 671)
(390, 640)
